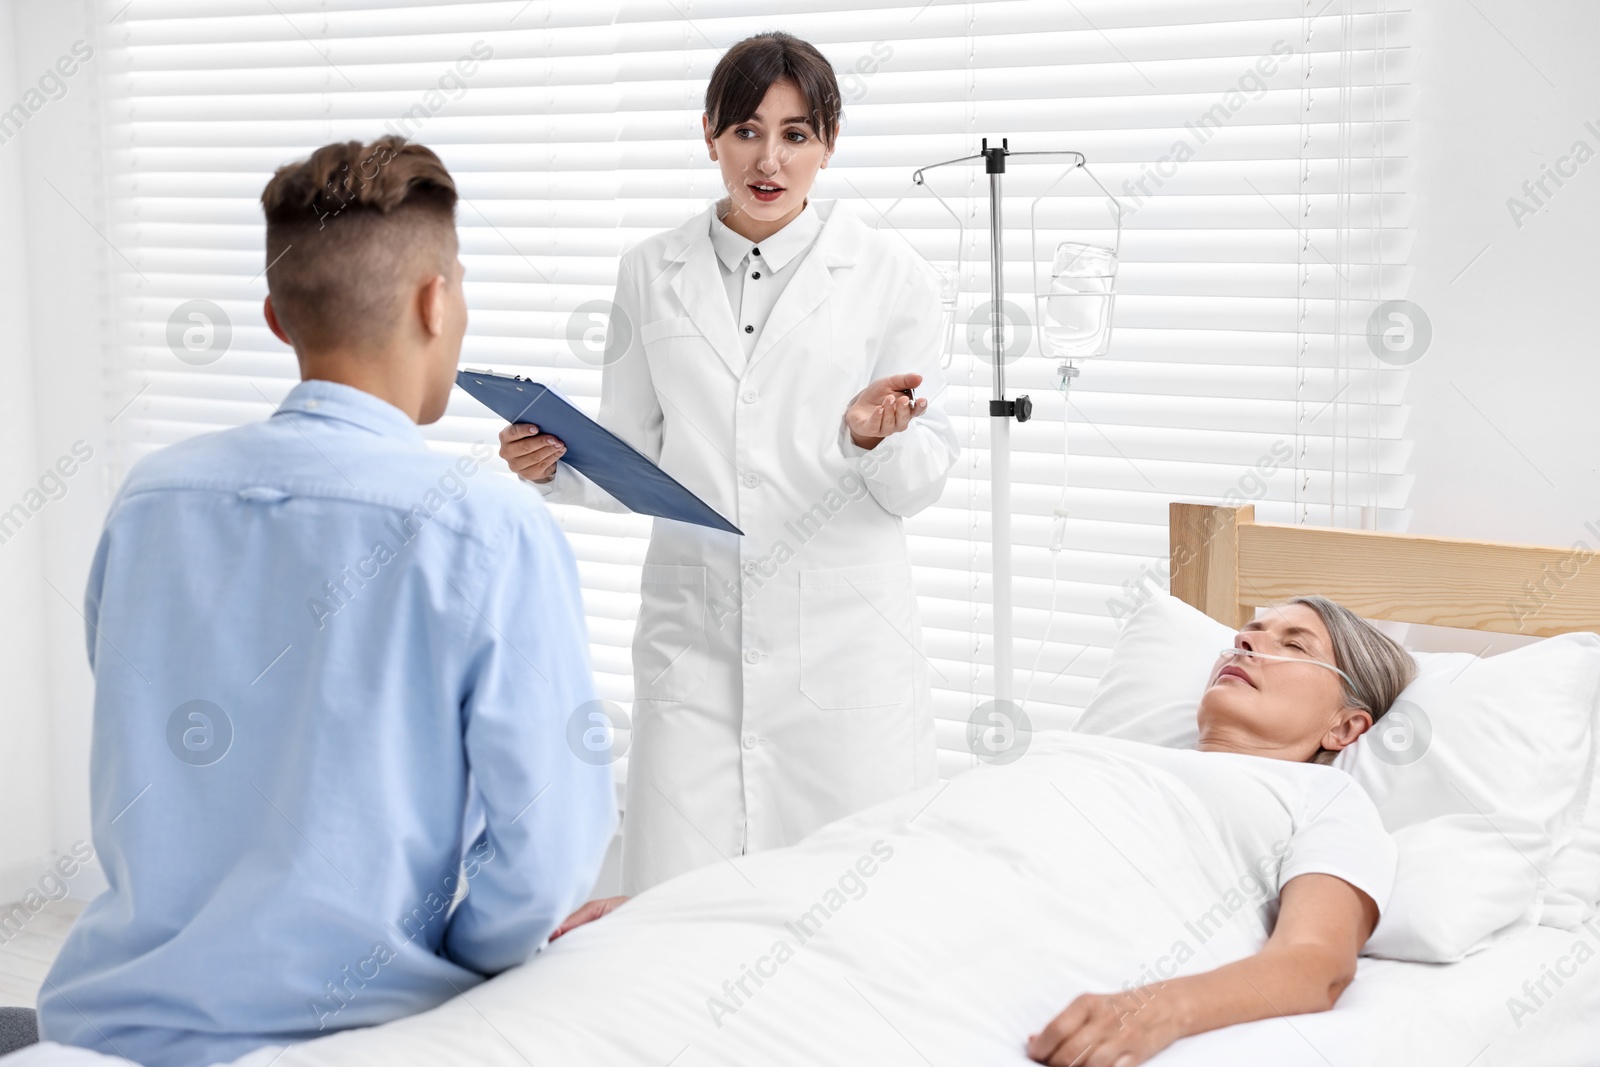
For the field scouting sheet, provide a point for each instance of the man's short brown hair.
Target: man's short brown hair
(349, 231)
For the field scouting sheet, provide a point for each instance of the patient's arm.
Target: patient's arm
(549, 815)
(1307, 962)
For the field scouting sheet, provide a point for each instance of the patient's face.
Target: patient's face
(1271, 707)
(776, 147)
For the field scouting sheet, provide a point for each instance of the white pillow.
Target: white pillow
(1461, 885)
(1151, 687)
(1572, 895)
(1502, 735)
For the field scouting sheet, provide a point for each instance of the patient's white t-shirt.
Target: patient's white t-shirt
(1288, 818)
(1334, 828)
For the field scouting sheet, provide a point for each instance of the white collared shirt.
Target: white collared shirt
(756, 273)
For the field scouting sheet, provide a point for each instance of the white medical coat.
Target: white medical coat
(779, 677)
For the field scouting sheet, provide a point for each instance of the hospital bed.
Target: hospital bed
(932, 930)
(1226, 564)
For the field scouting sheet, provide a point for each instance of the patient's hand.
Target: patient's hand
(1115, 1030)
(588, 914)
(1307, 962)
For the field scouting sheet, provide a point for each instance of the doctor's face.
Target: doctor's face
(1278, 707)
(770, 160)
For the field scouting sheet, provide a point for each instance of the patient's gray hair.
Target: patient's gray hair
(1376, 663)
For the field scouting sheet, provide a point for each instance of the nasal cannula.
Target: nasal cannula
(1289, 659)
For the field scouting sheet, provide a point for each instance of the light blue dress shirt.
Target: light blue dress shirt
(325, 658)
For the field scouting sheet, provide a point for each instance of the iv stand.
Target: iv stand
(1002, 410)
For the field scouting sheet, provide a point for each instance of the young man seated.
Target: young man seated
(334, 671)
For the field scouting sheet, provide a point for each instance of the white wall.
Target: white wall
(52, 262)
(25, 797)
(1506, 403)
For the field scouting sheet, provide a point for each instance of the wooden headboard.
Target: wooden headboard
(1227, 565)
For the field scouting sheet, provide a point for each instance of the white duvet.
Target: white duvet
(939, 929)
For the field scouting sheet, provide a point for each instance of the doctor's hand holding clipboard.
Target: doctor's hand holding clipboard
(885, 407)
(780, 359)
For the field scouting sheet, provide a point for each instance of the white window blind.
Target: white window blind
(1270, 220)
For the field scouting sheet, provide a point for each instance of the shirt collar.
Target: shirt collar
(334, 400)
(777, 251)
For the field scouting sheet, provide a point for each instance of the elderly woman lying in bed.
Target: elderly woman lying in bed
(1302, 682)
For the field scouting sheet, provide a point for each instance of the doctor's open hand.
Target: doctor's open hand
(883, 408)
(529, 453)
(1107, 1030)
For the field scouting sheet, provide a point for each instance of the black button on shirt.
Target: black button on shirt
(749, 329)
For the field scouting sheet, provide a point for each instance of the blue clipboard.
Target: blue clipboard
(601, 456)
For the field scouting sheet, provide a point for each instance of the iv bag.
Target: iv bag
(1077, 310)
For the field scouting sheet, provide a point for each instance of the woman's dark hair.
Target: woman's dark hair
(749, 68)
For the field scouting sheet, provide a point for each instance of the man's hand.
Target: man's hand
(882, 408)
(588, 914)
(529, 453)
(1117, 1030)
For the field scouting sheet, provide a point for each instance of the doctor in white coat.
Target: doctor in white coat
(762, 353)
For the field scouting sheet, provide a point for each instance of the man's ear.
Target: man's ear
(1352, 724)
(431, 297)
(272, 322)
